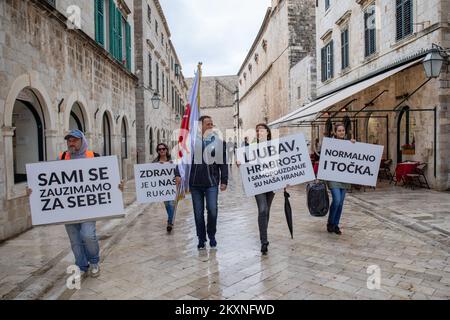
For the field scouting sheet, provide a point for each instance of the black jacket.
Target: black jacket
(208, 175)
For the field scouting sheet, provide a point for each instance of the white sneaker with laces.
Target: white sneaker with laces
(94, 270)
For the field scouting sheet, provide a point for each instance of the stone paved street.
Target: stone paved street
(142, 261)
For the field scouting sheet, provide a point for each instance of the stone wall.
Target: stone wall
(217, 99)
(61, 67)
(150, 42)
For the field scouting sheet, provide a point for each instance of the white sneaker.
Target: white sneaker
(94, 270)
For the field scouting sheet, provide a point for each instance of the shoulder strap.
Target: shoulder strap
(62, 156)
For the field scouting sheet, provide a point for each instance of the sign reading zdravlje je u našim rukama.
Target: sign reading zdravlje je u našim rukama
(155, 182)
(74, 190)
(344, 161)
(274, 164)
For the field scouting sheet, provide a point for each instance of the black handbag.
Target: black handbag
(317, 197)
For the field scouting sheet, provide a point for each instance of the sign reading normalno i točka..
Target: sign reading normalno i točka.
(344, 161)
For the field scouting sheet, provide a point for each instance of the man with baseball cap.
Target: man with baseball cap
(83, 238)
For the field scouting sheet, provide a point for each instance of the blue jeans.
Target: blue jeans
(170, 208)
(198, 201)
(336, 206)
(84, 244)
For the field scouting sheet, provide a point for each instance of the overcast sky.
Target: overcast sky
(218, 33)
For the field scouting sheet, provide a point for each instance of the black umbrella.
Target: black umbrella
(288, 212)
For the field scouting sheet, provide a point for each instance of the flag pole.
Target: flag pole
(178, 195)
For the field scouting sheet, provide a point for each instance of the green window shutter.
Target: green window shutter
(119, 35)
(112, 28)
(99, 22)
(128, 42)
(332, 58)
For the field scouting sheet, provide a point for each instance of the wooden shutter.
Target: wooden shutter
(407, 17)
(323, 64)
(331, 58)
(99, 22)
(112, 28)
(119, 36)
(128, 43)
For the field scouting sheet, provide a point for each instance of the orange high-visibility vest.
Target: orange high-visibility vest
(89, 154)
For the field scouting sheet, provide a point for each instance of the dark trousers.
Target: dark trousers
(264, 201)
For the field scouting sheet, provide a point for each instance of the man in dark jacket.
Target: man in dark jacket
(208, 171)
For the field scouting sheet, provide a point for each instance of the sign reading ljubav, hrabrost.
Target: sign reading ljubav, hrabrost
(274, 164)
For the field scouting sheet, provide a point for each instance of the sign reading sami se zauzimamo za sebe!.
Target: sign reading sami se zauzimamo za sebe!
(71, 191)
(274, 164)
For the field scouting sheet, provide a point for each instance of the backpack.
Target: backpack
(317, 197)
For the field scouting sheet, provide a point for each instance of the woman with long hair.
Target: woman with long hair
(337, 189)
(164, 156)
(264, 200)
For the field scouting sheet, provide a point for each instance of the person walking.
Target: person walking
(205, 176)
(82, 236)
(338, 190)
(163, 157)
(263, 200)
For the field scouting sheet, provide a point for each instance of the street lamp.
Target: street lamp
(156, 100)
(432, 64)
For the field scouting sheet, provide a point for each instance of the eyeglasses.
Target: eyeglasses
(162, 149)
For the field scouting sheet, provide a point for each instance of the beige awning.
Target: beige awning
(311, 110)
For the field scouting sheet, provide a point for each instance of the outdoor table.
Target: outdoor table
(404, 168)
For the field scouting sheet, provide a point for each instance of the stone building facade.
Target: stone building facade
(359, 40)
(217, 99)
(56, 75)
(285, 38)
(159, 76)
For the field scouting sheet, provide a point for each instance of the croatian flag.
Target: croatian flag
(187, 137)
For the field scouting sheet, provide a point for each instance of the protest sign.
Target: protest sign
(344, 161)
(155, 182)
(74, 190)
(274, 164)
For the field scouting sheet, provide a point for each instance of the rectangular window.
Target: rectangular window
(173, 98)
(370, 30)
(345, 49)
(404, 17)
(150, 73)
(156, 27)
(100, 22)
(299, 92)
(157, 77)
(327, 4)
(149, 13)
(327, 61)
(167, 89)
(162, 38)
(162, 80)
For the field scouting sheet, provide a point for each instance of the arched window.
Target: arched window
(28, 139)
(150, 140)
(106, 129)
(124, 142)
(76, 120)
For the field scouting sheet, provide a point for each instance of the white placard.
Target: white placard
(344, 161)
(274, 164)
(72, 191)
(155, 182)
